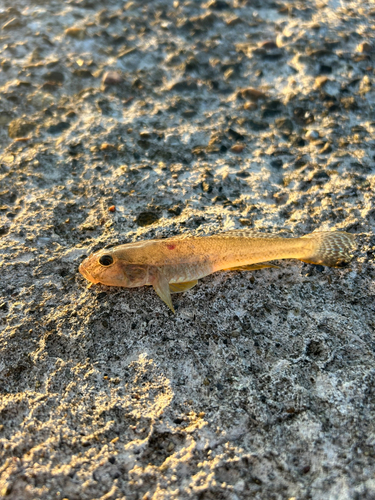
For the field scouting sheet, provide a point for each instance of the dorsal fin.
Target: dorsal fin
(246, 233)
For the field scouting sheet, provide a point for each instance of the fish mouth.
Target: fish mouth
(86, 274)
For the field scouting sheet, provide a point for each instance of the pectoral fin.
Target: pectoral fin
(161, 287)
(181, 287)
(251, 267)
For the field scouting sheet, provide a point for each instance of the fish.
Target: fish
(174, 265)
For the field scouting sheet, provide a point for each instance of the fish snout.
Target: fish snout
(82, 269)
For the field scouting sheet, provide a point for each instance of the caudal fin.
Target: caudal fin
(332, 249)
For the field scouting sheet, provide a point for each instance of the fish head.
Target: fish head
(107, 268)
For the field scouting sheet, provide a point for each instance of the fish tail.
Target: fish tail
(333, 249)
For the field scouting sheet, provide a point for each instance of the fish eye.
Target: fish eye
(106, 260)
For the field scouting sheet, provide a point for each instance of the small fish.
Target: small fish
(173, 265)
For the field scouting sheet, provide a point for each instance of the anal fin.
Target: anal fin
(181, 287)
(251, 267)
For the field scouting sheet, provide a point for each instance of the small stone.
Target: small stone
(250, 106)
(365, 47)
(171, 446)
(312, 135)
(237, 148)
(146, 218)
(107, 147)
(252, 94)
(20, 128)
(75, 32)
(112, 208)
(320, 81)
(268, 45)
(112, 78)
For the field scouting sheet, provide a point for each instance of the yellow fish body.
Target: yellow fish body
(175, 264)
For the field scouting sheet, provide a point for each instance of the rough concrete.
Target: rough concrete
(261, 385)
